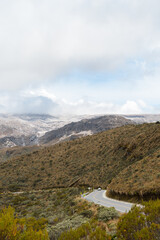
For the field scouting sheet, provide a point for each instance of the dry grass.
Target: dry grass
(94, 161)
(141, 178)
(8, 153)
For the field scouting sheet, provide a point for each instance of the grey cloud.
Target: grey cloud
(36, 105)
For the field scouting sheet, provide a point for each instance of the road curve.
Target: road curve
(99, 197)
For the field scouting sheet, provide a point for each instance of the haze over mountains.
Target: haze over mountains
(35, 129)
(25, 129)
(146, 118)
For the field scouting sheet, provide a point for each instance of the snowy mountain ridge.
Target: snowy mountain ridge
(30, 129)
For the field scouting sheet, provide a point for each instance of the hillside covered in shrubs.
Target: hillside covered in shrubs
(54, 214)
(140, 223)
(125, 159)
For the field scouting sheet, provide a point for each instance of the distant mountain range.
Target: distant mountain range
(84, 127)
(146, 118)
(25, 129)
(35, 129)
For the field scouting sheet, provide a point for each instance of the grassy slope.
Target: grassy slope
(62, 208)
(8, 153)
(142, 178)
(94, 160)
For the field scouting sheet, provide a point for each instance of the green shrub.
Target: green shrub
(12, 228)
(87, 213)
(141, 223)
(65, 225)
(89, 230)
(52, 220)
(105, 214)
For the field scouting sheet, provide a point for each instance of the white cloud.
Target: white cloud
(43, 101)
(42, 42)
(130, 107)
(41, 39)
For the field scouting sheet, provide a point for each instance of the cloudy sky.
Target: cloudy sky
(80, 56)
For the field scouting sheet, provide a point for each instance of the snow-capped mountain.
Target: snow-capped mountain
(146, 118)
(25, 129)
(35, 129)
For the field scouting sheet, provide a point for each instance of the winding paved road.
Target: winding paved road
(99, 197)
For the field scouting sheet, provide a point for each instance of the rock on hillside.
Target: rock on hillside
(84, 127)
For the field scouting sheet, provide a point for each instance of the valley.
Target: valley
(116, 158)
(44, 182)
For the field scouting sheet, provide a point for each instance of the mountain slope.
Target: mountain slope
(8, 153)
(142, 177)
(25, 129)
(146, 118)
(93, 160)
(84, 127)
(29, 129)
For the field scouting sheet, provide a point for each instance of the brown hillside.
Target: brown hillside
(94, 160)
(142, 178)
(7, 153)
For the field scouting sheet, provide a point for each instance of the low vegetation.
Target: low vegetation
(90, 230)
(8, 153)
(13, 228)
(60, 214)
(141, 223)
(62, 210)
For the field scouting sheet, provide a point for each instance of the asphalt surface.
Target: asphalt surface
(99, 197)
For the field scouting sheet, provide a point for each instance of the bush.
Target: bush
(65, 225)
(141, 223)
(89, 230)
(87, 213)
(21, 229)
(105, 214)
